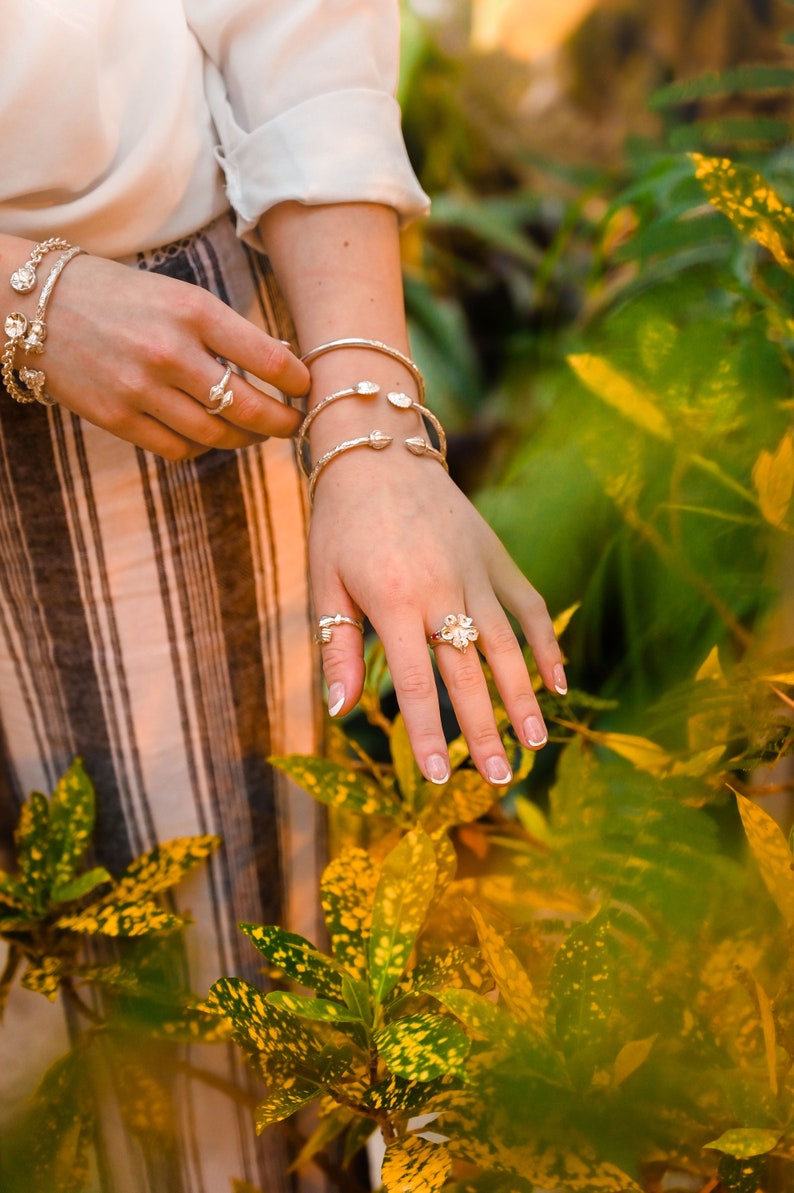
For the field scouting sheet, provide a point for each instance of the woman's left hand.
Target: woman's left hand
(393, 538)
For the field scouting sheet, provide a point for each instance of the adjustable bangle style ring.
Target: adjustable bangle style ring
(220, 398)
(373, 346)
(362, 389)
(404, 402)
(458, 630)
(326, 627)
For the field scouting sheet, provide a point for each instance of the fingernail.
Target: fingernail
(286, 343)
(534, 733)
(437, 768)
(336, 698)
(559, 680)
(498, 772)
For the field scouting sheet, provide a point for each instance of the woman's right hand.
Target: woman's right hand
(137, 353)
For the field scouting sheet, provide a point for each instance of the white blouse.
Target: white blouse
(127, 124)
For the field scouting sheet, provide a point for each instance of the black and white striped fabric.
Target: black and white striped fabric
(154, 619)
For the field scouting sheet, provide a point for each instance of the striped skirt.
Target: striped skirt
(154, 620)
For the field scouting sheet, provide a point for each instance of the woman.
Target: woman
(154, 612)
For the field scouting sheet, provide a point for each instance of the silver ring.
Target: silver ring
(458, 630)
(219, 397)
(326, 627)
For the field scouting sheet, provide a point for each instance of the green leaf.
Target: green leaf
(773, 477)
(414, 1165)
(743, 1142)
(283, 1102)
(347, 889)
(12, 893)
(407, 773)
(121, 919)
(45, 977)
(72, 814)
(31, 845)
(462, 967)
(78, 887)
(622, 394)
(403, 895)
(321, 1009)
(357, 999)
(754, 77)
(297, 958)
(338, 786)
(582, 987)
(395, 1095)
(422, 1047)
(464, 798)
(163, 867)
(262, 1027)
(481, 1016)
(510, 976)
(771, 852)
(750, 203)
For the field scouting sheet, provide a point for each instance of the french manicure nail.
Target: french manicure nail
(336, 698)
(559, 680)
(437, 768)
(534, 733)
(498, 772)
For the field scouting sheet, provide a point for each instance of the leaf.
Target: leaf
(403, 895)
(121, 919)
(414, 1165)
(510, 976)
(773, 477)
(772, 854)
(744, 1142)
(283, 1102)
(407, 773)
(623, 395)
(44, 978)
(78, 887)
(481, 1016)
(395, 1095)
(422, 1047)
(297, 958)
(72, 814)
(753, 77)
(31, 846)
(462, 966)
(12, 893)
(749, 202)
(582, 990)
(162, 867)
(631, 1057)
(321, 1009)
(347, 889)
(769, 1032)
(338, 786)
(357, 1000)
(259, 1026)
(464, 798)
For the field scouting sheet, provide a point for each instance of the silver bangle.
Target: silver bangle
(404, 402)
(375, 346)
(362, 389)
(376, 440)
(23, 280)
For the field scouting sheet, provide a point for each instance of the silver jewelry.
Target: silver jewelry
(362, 389)
(224, 403)
(376, 440)
(458, 630)
(404, 402)
(30, 335)
(374, 346)
(221, 398)
(326, 627)
(418, 446)
(23, 280)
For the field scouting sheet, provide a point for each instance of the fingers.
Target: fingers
(229, 335)
(341, 636)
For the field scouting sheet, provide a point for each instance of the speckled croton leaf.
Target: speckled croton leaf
(771, 852)
(414, 1165)
(398, 1096)
(31, 846)
(423, 1047)
(71, 823)
(582, 989)
(515, 985)
(323, 1010)
(403, 894)
(347, 889)
(45, 978)
(750, 203)
(120, 919)
(339, 786)
(292, 1095)
(259, 1026)
(743, 1142)
(464, 798)
(297, 958)
(527, 1051)
(407, 773)
(460, 966)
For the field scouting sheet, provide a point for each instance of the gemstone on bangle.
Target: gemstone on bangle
(23, 279)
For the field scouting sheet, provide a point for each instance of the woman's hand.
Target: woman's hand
(393, 537)
(137, 354)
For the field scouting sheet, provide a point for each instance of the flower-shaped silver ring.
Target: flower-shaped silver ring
(458, 630)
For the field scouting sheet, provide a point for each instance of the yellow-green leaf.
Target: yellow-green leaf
(771, 852)
(422, 1047)
(163, 867)
(749, 202)
(773, 477)
(259, 1026)
(292, 1095)
(582, 986)
(72, 812)
(769, 1032)
(631, 1057)
(743, 1142)
(404, 892)
(320, 1009)
(622, 394)
(510, 975)
(297, 958)
(338, 786)
(481, 1016)
(31, 845)
(414, 1165)
(346, 891)
(407, 773)
(121, 919)
(44, 978)
(464, 798)
(80, 886)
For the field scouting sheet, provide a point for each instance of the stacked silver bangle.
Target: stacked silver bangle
(377, 440)
(28, 335)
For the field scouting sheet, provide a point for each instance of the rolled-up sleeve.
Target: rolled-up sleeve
(302, 93)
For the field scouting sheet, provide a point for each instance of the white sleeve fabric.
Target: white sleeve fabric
(302, 95)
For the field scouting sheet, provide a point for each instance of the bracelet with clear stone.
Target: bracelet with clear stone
(23, 280)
